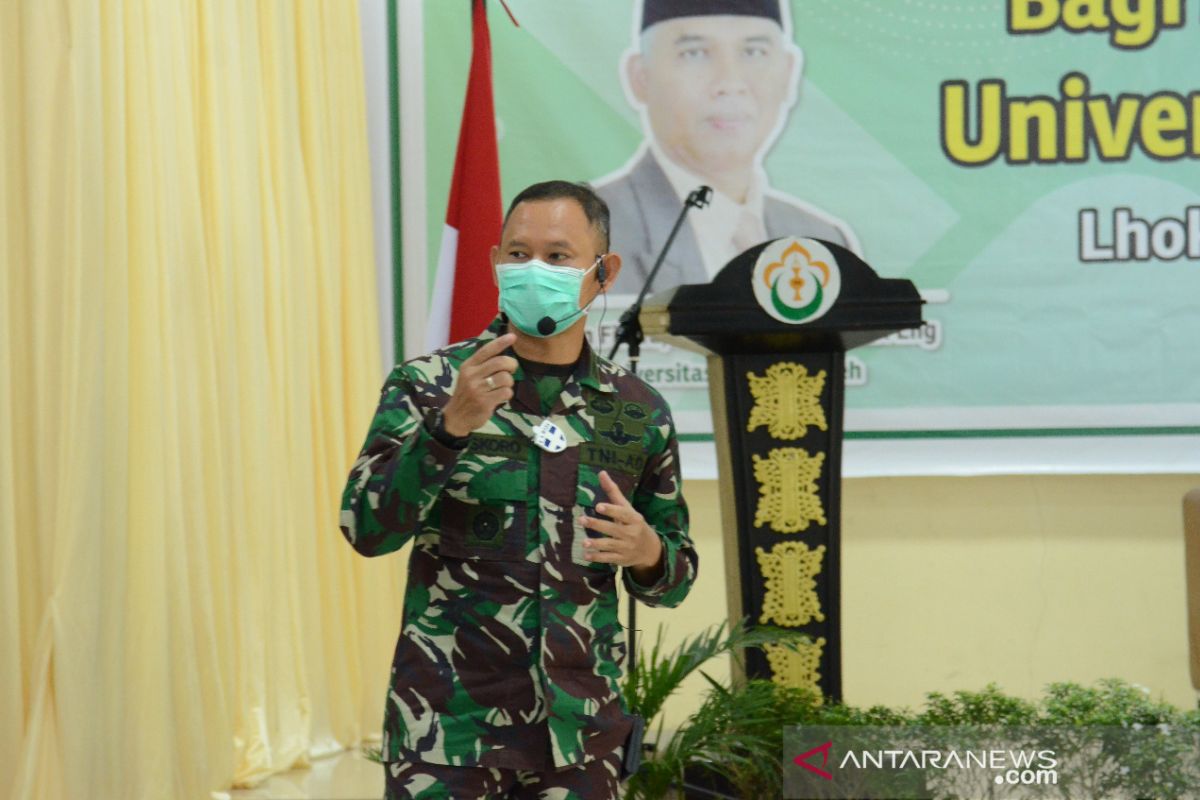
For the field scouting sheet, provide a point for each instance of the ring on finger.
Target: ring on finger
(491, 384)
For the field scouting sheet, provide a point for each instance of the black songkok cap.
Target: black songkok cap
(658, 10)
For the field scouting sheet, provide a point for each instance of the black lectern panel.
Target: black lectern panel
(776, 323)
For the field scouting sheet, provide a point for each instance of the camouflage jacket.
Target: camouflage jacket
(510, 650)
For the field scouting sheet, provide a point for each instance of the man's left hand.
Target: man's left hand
(628, 540)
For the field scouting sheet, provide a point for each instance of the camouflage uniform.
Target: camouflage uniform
(413, 780)
(510, 650)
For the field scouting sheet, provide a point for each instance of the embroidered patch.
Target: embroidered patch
(606, 456)
(483, 527)
(602, 406)
(620, 422)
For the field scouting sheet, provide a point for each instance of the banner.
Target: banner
(1033, 166)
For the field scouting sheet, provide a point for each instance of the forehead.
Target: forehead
(732, 28)
(561, 219)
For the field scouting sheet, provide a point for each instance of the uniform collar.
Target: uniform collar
(591, 371)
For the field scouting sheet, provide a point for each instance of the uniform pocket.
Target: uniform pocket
(492, 531)
(491, 468)
(483, 510)
(589, 494)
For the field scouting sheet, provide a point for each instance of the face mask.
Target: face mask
(538, 297)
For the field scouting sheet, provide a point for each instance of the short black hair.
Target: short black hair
(594, 207)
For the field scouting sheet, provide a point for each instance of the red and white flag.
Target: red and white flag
(464, 295)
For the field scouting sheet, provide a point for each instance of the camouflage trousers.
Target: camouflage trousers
(411, 780)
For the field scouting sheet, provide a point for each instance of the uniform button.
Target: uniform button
(429, 460)
(487, 525)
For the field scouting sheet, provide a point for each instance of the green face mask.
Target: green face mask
(538, 298)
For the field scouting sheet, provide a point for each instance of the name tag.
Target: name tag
(607, 456)
(487, 444)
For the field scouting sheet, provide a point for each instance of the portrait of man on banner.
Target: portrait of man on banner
(713, 81)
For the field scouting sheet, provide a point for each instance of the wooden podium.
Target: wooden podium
(775, 324)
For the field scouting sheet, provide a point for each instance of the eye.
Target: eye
(517, 255)
(756, 51)
(559, 257)
(693, 53)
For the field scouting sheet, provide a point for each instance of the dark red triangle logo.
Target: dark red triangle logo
(802, 760)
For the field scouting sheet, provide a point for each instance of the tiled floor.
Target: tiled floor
(345, 776)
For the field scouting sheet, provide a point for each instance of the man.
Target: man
(526, 469)
(713, 79)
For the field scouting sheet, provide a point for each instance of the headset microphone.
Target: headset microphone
(547, 325)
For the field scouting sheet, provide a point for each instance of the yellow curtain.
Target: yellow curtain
(188, 361)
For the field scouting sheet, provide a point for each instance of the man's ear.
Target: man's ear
(795, 57)
(635, 74)
(795, 72)
(612, 268)
(494, 255)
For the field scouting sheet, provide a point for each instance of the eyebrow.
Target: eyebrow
(692, 38)
(559, 243)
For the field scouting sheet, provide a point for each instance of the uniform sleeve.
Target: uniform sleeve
(397, 475)
(659, 498)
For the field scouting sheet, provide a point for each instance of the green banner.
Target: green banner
(1033, 166)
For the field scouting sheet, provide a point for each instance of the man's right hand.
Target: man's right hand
(485, 380)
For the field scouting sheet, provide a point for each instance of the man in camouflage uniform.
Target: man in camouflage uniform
(526, 469)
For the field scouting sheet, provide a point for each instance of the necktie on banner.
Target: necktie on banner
(464, 295)
(749, 231)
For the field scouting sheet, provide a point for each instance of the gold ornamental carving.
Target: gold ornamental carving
(799, 668)
(787, 489)
(787, 400)
(789, 570)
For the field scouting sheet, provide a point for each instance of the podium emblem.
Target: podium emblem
(796, 280)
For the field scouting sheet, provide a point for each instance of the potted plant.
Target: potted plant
(732, 743)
